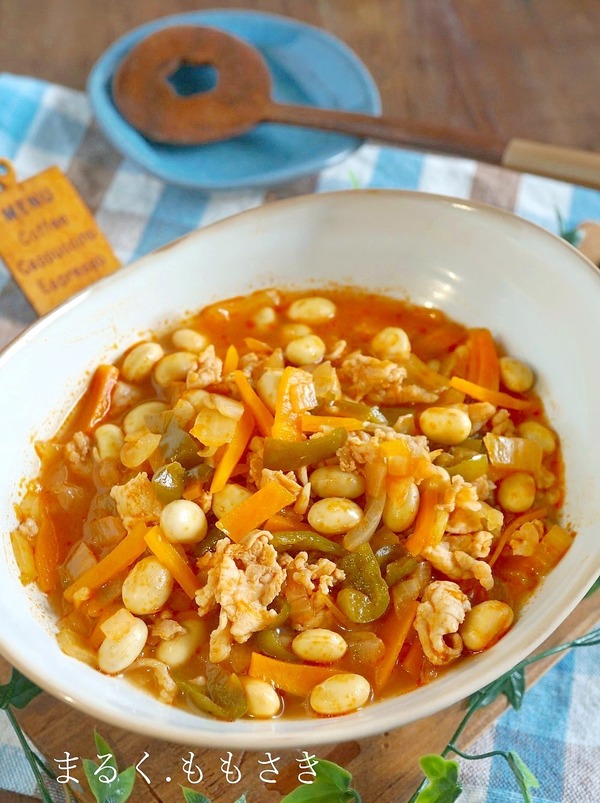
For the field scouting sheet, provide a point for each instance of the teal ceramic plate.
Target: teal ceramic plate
(308, 66)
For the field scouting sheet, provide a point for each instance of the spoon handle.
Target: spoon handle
(420, 136)
(565, 164)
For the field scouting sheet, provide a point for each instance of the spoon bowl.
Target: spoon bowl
(145, 95)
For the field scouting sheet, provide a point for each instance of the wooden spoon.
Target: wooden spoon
(241, 98)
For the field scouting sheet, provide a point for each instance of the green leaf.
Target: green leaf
(511, 684)
(331, 785)
(593, 589)
(33, 760)
(18, 691)
(105, 782)
(443, 784)
(525, 777)
(241, 799)
(354, 180)
(572, 236)
(327, 771)
(191, 796)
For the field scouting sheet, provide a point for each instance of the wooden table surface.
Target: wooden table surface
(528, 68)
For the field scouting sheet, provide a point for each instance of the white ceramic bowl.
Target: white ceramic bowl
(480, 265)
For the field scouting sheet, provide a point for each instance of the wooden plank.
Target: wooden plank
(385, 768)
(527, 69)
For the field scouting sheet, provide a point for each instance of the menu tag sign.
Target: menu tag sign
(48, 237)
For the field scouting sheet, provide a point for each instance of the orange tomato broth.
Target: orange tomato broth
(67, 501)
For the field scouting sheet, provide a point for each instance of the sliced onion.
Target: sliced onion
(364, 530)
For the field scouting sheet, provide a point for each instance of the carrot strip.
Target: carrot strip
(428, 522)
(170, 558)
(280, 522)
(46, 555)
(313, 423)
(261, 413)
(232, 359)
(252, 512)
(529, 515)
(298, 679)
(413, 662)
(122, 556)
(98, 397)
(497, 398)
(258, 345)
(287, 423)
(439, 341)
(393, 633)
(233, 451)
(193, 490)
(483, 366)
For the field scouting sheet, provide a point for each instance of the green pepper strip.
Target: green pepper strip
(225, 698)
(200, 699)
(392, 414)
(209, 541)
(365, 595)
(168, 482)
(346, 407)
(294, 540)
(388, 553)
(472, 444)
(398, 569)
(283, 609)
(225, 689)
(470, 469)
(202, 472)
(281, 455)
(177, 444)
(270, 643)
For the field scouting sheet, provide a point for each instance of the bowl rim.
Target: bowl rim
(298, 200)
(304, 732)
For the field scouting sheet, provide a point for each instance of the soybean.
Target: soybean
(179, 650)
(139, 362)
(340, 694)
(329, 481)
(126, 637)
(485, 623)
(516, 375)
(189, 340)
(516, 493)
(266, 387)
(147, 587)
(319, 645)
(135, 420)
(312, 310)
(306, 350)
(183, 522)
(446, 425)
(334, 515)
(263, 701)
(401, 504)
(229, 497)
(538, 433)
(174, 367)
(109, 440)
(391, 343)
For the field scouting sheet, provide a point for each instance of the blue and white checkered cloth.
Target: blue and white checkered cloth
(557, 732)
